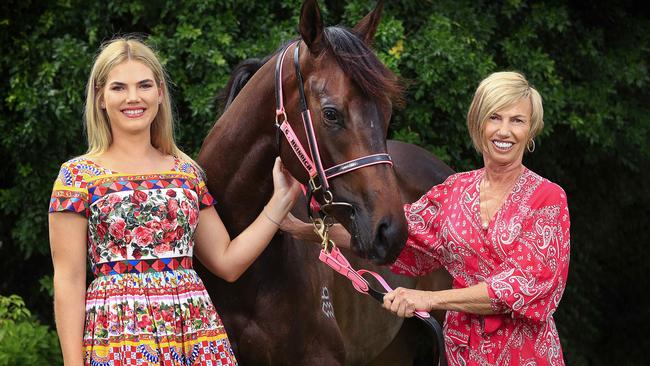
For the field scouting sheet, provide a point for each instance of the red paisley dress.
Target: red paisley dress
(146, 305)
(523, 257)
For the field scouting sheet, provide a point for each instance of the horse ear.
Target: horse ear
(311, 26)
(367, 26)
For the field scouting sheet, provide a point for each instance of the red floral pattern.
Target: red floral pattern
(523, 257)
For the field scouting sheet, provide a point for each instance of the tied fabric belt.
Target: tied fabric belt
(142, 266)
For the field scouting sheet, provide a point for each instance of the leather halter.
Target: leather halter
(311, 161)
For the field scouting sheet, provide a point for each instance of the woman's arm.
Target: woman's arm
(474, 299)
(68, 240)
(229, 259)
(305, 232)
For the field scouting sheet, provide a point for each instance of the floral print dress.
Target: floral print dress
(146, 305)
(523, 257)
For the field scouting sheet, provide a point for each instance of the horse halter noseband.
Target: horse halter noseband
(318, 181)
(318, 176)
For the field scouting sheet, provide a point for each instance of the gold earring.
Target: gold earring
(530, 146)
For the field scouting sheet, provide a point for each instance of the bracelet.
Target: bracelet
(269, 217)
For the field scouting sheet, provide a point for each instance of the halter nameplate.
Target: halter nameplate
(297, 148)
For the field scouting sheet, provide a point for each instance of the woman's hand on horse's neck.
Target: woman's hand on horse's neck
(229, 259)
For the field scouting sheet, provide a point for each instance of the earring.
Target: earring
(530, 146)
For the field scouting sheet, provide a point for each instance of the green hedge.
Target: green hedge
(23, 340)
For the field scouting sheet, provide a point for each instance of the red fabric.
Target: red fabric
(523, 257)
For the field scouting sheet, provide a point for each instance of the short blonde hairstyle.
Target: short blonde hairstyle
(98, 128)
(498, 91)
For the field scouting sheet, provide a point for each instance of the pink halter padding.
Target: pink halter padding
(315, 206)
(280, 111)
(309, 126)
(358, 167)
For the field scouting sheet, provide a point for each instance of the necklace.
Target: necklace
(483, 206)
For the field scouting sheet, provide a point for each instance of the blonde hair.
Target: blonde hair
(98, 129)
(498, 91)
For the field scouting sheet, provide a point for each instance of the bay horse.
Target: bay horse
(288, 309)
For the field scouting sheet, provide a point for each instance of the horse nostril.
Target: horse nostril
(389, 240)
(383, 238)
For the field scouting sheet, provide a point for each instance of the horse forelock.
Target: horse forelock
(362, 66)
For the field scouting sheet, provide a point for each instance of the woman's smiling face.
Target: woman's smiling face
(506, 133)
(131, 97)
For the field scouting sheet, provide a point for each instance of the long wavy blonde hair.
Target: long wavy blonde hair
(98, 128)
(497, 91)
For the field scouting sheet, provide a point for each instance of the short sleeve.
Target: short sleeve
(205, 198)
(530, 283)
(420, 254)
(70, 192)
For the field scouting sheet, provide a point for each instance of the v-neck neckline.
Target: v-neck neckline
(497, 214)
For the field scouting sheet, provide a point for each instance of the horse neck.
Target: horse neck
(239, 152)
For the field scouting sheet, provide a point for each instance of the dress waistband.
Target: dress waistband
(142, 266)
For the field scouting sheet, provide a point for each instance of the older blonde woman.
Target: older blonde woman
(501, 231)
(140, 208)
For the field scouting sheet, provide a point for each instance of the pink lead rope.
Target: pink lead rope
(337, 261)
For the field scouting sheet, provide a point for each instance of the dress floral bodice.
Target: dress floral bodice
(133, 216)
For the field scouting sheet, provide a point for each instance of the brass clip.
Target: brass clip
(322, 230)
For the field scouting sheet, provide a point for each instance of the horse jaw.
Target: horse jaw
(376, 224)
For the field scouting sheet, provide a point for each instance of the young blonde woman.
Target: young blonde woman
(501, 231)
(139, 208)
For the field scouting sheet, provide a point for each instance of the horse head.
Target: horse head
(350, 94)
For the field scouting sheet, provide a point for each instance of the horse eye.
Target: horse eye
(330, 115)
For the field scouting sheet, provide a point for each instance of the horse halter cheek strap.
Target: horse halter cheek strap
(312, 163)
(318, 176)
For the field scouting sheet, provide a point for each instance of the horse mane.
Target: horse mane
(239, 77)
(352, 55)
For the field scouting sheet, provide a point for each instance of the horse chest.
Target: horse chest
(299, 330)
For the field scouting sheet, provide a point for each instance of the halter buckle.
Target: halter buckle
(313, 185)
(277, 116)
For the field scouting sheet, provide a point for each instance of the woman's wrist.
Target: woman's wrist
(277, 209)
(269, 217)
(433, 301)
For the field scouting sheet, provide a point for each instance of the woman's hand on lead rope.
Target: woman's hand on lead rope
(404, 301)
(473, 299)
